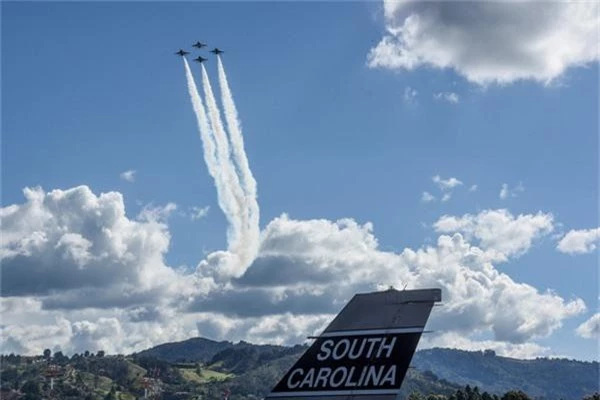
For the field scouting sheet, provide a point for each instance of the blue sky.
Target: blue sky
(91, 90)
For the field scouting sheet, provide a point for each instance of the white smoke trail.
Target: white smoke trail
(225, 196)
(241, 160)
(241, 246)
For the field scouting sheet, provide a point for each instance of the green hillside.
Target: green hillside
(201, 368)
(542, 377)
(192, 350)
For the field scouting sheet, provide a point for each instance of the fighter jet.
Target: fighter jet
(199, 45)
(217, 51)
(200, 59)
(181, 52)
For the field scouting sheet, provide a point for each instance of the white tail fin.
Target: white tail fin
(365, 351)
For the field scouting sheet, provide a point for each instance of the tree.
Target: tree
(10, 375)
(489, 353)
(474, 394)
(60, 358)
(31, 390)
(468, 391)
(47, 354)
(486, 396)
(415, 396)
(110, 396)
(515, 395)
(595, 396)
(100, 353)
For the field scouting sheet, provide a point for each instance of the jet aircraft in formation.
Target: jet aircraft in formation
(199, 45)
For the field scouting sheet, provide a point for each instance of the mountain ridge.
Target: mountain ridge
(544, 378)
(205, 368)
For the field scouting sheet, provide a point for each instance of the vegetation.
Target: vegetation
(181, 371)
(540, 378)
(191, 350)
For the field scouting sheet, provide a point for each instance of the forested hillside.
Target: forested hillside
(202, 368)
(542, 377)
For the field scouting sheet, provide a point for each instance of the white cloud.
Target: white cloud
(489, 42)
(91, 329)
(157, 213)
(500, 233)
(590, 329)
(100, 280)
(128, 175)
(579, 241)
(450, 97)
(507, 349)
(68, 244)
(473, 188)
(427, 197)
(197, 213)
(506, 191)
(410, 95)
(446, 184)
(301, 261)
(281, 329)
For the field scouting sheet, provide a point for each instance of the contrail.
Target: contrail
(241, 247)
(224, 194)
(239, 155)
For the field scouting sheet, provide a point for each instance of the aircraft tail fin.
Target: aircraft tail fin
(365, 351)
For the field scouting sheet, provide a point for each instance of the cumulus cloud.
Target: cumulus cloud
(90, 329)
(450, 97)
(33, 337)
(473, 188)
(489, 42)
(446, 184)
(128, 175)
(72, 243)
(507, 349)
(282, 329)
(427, 197)
(106, 286)
(579, 241)
(300, 263)
(500, 233)
(590, 329)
